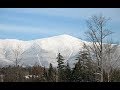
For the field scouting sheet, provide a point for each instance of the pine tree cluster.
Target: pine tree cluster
(84, 70)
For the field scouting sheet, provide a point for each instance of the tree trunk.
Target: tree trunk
(108, 77)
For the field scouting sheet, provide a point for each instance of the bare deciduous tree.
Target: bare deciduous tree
(96, 34)
(14, 55)
(111, 56)
(18, 53)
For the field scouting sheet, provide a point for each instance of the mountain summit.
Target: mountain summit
(41, 51)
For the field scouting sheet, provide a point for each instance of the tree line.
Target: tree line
(84, 70)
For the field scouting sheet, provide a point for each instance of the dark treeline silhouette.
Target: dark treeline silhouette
(83, 71)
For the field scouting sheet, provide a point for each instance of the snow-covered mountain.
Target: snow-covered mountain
(41, 51)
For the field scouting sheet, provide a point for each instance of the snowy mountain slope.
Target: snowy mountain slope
(41, 51)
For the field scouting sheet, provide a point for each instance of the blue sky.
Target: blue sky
(35, 23)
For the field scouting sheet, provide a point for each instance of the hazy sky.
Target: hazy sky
(35, 23)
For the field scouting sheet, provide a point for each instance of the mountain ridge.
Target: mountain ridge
(42, 51)
(65, 44)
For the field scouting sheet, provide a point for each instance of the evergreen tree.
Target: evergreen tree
(51, 74)
(83, 70)
(68, 73)
(44, 75)
(88, 65)
(60, 67)
(77, 72)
